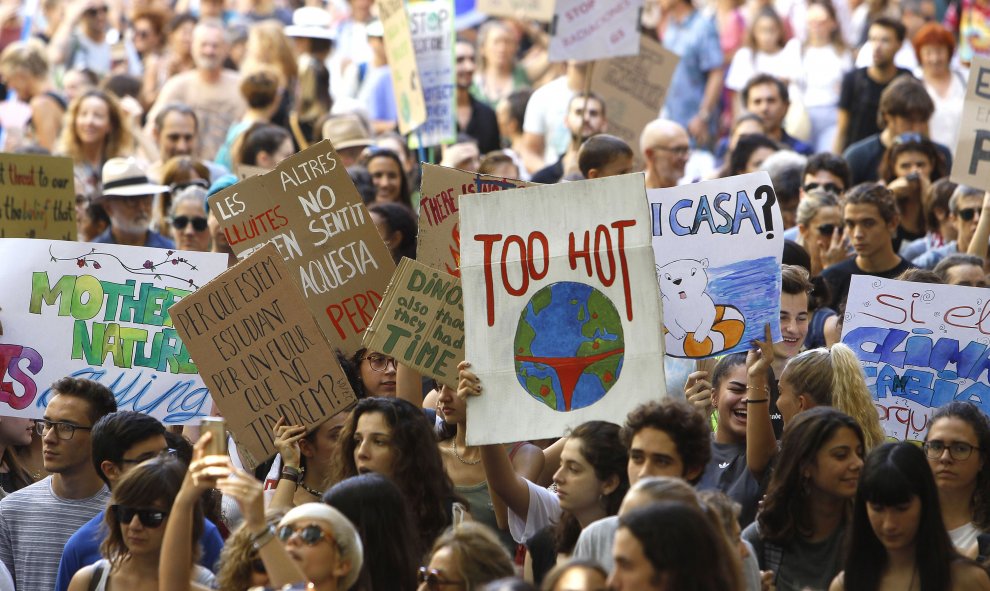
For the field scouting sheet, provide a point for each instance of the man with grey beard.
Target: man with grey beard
(127, 197)
(209, 90)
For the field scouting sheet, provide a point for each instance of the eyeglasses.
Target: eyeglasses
(147, 517)
(145, 457)
(434, 579)
(968, 214)
(959, 450)
(180, 223)
(828, 187)
(681, 151)
(63, 431)
(381, 362)
(826, 229)
(96, 10)
(310, 535)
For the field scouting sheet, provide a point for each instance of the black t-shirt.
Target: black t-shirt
(839, 275)
(860, 98)
(483, 127)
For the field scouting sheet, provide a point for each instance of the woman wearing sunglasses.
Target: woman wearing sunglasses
(188, 216)
(465, 557)
(956, 446)
(819, 220)
(139, 509)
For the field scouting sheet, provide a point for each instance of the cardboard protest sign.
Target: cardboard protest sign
(406, 82)
(309, 209)
(971, 166)
(538, 10)
(102, 312)
(561, 307)
(921, 345)
(431, 24)
(634, 88)
(594, 29)
(246, 171)
(37, 197)
(421, 322)
(438, 244)
(260, 354)
(718, 247)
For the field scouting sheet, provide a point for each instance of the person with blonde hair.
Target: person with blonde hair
(95, 131)
(467, 555)
(819, 219)
(499, 72)
(267, 45)
(25, 71)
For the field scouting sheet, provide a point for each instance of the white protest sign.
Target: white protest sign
(561, 307)
(921, 345)
(971, 166)
(431, 24)
(99, 311)
(594, 29)
(718, 247)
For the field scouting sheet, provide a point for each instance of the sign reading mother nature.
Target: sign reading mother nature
(922, 345)
(309, 209)
(99, 311)
(561, 307)
(718, 247)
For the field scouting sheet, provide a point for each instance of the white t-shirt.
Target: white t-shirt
(820, 80)
(783, 64)
(545, 114)
(544, 510)
(943, 127)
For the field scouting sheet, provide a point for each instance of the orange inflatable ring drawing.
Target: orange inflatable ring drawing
(727, 332)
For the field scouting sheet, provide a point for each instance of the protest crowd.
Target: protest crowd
(768, 467)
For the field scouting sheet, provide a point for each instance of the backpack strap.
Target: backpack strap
(94, 583)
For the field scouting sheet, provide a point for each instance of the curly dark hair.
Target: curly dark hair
(785, 515)
(681, 422)
(970, 413)
(417, 470)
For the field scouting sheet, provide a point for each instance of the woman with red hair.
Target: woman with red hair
(934, 45)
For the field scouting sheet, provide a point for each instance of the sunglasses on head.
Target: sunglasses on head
(310, 535)
(147, 517)
(829, 187)
(180, 223)
(968, 214)
(911, 137)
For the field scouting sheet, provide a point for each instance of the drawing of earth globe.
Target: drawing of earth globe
(568, 346)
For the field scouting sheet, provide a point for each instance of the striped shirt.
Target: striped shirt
(34, 527)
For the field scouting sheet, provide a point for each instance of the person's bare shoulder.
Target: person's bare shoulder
(967, 576)
(838, 583)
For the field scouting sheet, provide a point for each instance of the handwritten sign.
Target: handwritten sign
(538, 10)
(634, 88)
(561, 307)
(438, 244)
(260, 354)
(431, 24)
(101, 312)
(37, 197)
(421, 322)
(406, 82)
(971, 166)
(921, 345)
(594, 29)
(310, 210)
(718, 247)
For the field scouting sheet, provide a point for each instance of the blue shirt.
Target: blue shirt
(695, 40)
(83, 549)
(154, 239)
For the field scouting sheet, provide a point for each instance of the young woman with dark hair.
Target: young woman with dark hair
(376, 507)
(392, 437)
(799, 531)
(898, 539)
(957, 444)
(388, 176)
(397, 226)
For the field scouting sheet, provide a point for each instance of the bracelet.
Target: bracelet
(290, 473)
(765, 389)
(747, 401)
(259, 540)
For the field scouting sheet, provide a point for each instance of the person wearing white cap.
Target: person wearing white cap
(127, 198)
(324, 544)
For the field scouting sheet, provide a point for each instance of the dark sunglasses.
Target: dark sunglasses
(968, 214)
(829, 187)
(94, 11)
(180, 223)
(310, 535)
(827, 229)
(434, 579)
(147, 517)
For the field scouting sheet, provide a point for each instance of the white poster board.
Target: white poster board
(431, 23)
(971, 165)
(99, 311)
(561, 307)
(588, 30)
(921, 345)
(718, 247)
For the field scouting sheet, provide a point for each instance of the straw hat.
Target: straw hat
(346, 132)
(123, 177)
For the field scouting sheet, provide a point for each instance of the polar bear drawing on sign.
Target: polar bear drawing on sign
(694, 325)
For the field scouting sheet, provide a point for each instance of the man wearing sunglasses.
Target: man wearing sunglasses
(965, 209)
(120, 441)
(36, 521)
